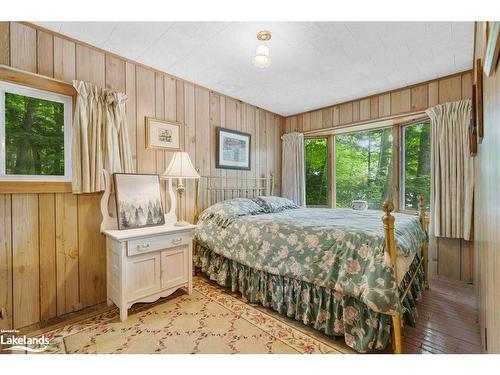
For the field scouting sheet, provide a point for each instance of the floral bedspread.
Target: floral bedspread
(339, 249)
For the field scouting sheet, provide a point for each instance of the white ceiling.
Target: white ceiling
(314, 64)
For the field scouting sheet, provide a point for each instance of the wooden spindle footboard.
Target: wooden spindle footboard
(425, 246)
(390, 246)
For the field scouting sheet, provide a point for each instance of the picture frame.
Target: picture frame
(164, 135)
(233, 149)
(478, 88)
(138, 200)
(472, 130)
(492, 47)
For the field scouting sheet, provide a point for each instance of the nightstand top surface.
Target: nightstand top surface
(126, 234)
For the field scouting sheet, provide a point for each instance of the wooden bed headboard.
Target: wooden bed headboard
(213, 189)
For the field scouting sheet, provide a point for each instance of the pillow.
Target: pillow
(223, 213)
(275, 204)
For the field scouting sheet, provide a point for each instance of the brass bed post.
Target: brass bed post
(425, 246)
(390, 245)
(271, 190)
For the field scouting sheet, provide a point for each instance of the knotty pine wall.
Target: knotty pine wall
(52, 256)
(487, 214)
(449, 257)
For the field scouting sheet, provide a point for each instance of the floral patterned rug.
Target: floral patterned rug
(210, 321)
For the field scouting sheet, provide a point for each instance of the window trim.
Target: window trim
(401, 150)
(329, 156)
(67, 101)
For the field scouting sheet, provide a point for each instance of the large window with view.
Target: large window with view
(415, 164)
(316, 170)
(363, 167)
(34, 134)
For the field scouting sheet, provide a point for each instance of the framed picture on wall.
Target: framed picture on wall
(492, 49)
(473, 125)
(233, 149)
(163, 135)
(478, 89)
(138, 200)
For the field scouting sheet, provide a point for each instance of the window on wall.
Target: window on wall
(363, 167)
(316, 165)
(415, 164)
(35, 134)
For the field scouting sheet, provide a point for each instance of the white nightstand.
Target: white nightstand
(147, 263)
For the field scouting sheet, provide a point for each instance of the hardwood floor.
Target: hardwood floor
(446, 324)
(447, 321)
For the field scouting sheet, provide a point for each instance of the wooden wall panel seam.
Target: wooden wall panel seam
(5, 43)
(6, 266)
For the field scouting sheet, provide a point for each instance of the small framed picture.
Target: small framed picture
(164, 135)
(138, 200)
(233, 149)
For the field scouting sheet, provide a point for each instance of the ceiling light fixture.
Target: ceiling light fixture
(262, 59)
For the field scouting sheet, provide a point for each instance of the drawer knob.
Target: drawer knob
(177, 240)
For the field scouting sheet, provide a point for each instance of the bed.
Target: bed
(332, 269)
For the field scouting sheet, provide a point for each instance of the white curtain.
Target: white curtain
(293, 184)
(100, 137)
(452, 170)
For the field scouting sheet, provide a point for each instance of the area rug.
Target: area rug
(209, 321)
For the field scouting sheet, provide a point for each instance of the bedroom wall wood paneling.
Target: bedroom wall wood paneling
(487, 214)
(52, 255)
(384, 105)
(451, 258)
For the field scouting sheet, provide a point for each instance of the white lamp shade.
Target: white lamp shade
(180, 167)
(262, 59)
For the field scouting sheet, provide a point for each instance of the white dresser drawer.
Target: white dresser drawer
(145, 245)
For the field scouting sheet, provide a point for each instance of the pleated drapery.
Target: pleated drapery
(100, 137)
(293, 179)
(452, 170)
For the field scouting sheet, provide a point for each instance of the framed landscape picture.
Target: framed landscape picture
(233, 149)
(164, 135)
(138, 200)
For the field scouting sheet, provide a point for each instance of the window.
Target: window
(316, 155)
(363, 167)
(415, 164)
(35, 134)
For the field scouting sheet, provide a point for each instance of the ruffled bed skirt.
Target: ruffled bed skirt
(324, 309)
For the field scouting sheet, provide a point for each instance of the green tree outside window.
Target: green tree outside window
(363, 167)
(316, 170)
(34, 136)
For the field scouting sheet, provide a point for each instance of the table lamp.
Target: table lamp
(180, 167)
